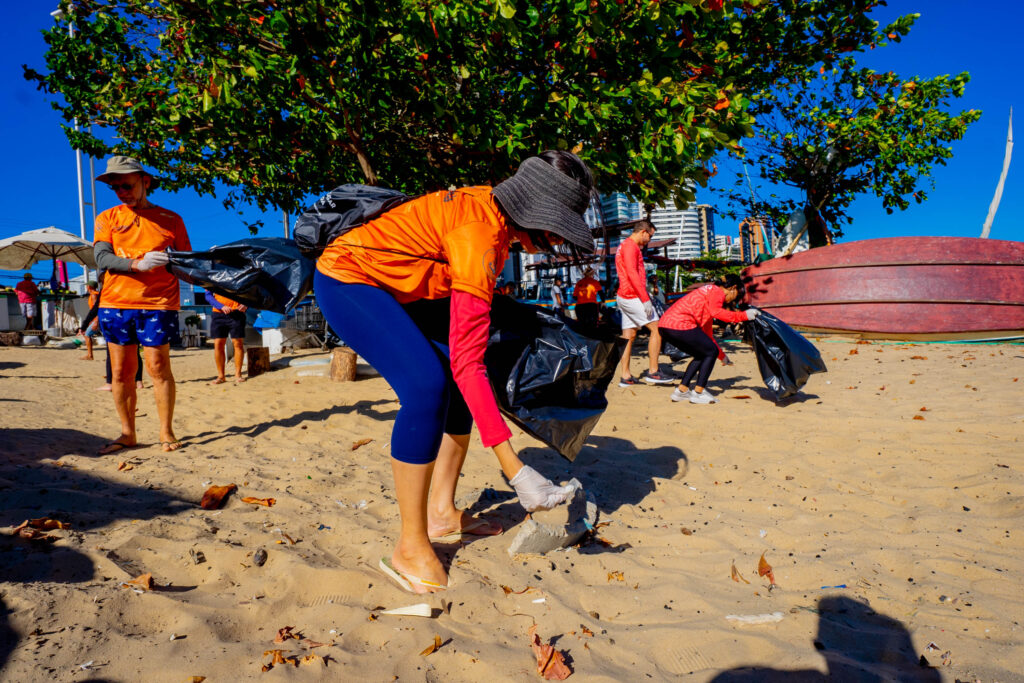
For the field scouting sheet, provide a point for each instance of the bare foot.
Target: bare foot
(424, 566)
(140, 385)
(86, 357)
(219, 380)
(168, 446)
(121, 443)
(239, 379)
(461, 523)
(105, 387)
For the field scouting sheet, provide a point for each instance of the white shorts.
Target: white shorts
(28, 310)
(633, 315)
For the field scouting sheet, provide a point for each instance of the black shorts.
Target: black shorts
(224, 325)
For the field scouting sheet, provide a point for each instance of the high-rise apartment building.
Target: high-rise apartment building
(752, 245)
(692, 228)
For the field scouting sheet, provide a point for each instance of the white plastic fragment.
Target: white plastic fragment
(86, 666)
(763, 533)
(755, 619)
(539, 600)
(420, 609)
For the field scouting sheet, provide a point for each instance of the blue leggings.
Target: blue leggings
(408, 346)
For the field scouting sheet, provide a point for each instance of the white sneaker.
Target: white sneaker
(703, 398)
(681, 395)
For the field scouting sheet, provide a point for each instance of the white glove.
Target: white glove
(537, 493)
(649, 309)
(752, 313)
(151, 260)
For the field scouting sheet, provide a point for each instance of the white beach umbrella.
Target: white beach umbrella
(25, 250)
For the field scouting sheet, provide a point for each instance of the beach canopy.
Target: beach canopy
(29, 248)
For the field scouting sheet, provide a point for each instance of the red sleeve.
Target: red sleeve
(716, 301)
(467, 341)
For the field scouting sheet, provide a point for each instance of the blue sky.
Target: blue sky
(39, 181)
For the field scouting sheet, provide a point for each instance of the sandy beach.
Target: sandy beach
(887, 499)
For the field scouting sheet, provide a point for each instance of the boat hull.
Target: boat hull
(911, 288)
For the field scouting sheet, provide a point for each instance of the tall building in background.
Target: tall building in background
(728, 247)
(752, 245)
(706, 219)
(693, 228)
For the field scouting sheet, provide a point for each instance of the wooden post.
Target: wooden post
(343, 365)
(258, 360)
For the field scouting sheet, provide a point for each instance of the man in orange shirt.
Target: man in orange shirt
(585, 292)
(140, 296)
(228, 320)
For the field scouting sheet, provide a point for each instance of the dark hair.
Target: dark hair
(571, 165)
(733, 280)
(644, 226)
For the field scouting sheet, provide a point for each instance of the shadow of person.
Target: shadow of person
(859, 645)
(367, 408)
(614, 470)
(31, 489)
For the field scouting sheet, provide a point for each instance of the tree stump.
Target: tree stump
(258, 360)
(343, 365)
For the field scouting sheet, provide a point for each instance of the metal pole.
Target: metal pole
(284, 216)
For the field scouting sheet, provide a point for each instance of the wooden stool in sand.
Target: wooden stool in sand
(258, 360)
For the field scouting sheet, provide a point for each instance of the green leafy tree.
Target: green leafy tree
(843, 131)
(282, 99)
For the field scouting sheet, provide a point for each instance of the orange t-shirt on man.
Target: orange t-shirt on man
(585, 291)
(133, 233)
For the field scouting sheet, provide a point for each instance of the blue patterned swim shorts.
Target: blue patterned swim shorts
(131, 326)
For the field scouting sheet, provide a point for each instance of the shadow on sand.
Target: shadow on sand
(859, 645)
(31, 488)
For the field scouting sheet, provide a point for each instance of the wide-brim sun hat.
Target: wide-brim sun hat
(540, 197)
(122, 165)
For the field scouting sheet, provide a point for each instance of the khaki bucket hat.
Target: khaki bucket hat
(122, 165)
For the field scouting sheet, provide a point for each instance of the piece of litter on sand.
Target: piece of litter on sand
(839, 585)
(539, 600)
(754, 619)
(763, 533)
(692, 488)
(420, 609)
(86, 666)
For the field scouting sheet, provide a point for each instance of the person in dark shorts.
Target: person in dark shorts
(228, 321)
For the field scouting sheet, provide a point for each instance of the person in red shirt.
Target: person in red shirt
(140, 299)
(585, 293)
(228, 320)
(410, 292)
(28, 300)
(687, 325)
(635, 307)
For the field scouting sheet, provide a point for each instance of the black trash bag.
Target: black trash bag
(549, 378)
(343, 208)
(786, 359)
(268, 273)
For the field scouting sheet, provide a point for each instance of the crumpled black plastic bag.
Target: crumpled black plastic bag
(548, 377)
(785, 358)
(268, 273)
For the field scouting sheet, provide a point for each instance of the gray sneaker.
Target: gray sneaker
(681, 395)
(703, 398)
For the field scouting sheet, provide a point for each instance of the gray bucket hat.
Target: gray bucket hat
(540, 197)
(122, 165)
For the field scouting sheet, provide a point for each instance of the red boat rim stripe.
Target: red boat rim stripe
(885, 265)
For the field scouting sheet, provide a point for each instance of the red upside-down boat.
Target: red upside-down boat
(905, 288)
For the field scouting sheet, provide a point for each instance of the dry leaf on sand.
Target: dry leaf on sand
(765, 569)
(43, 524)
(512, 592)
(143, 581)
(269, 502)
(361, 442)
(196, 679)
(550, 662)
(285, 633)
(125, 466)
(313, 659)
(919, 417)
(736, 576)
(616, 576)
(433, 647)
(215, 495)
(278, 657)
